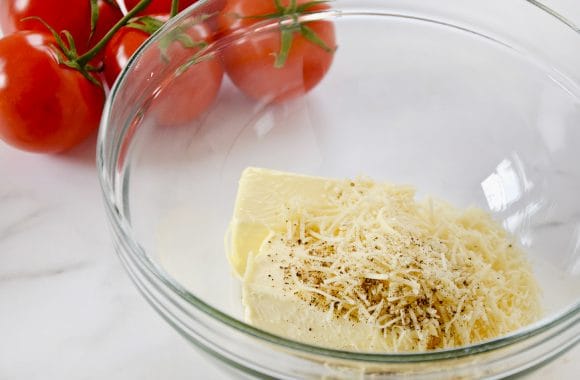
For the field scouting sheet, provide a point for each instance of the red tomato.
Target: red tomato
(123, 45)
(44, 106)
(186, 97)
(195, 88)
(72, 15)
(158, 6)
(189, 94)
(250, 62)
(119, 49)
(210, 7)
(109, 15)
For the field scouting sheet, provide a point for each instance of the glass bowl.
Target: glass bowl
(475, 102)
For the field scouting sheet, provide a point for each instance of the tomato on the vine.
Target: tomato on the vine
(209, 8)
(44, 106)
(109, 15)
(119, 49)
(197, 80)
(285, 62)
(197, 84)
(71, 15)
(126, 41)
(190, 94)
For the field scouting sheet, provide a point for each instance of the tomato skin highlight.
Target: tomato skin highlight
(119, 49)
(45, 107)
(72, 15)
(250, 62)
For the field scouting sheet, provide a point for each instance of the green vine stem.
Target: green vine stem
(86, 58)
(287, 31)
(174, 8)
(94, 16)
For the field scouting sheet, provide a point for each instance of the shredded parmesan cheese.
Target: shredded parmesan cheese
(425, 274)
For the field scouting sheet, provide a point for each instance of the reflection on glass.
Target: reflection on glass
(506, 184)
(520, 221)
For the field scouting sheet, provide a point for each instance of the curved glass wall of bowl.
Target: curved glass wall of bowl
(462, 100)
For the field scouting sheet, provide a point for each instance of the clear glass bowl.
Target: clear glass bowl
(476, 102)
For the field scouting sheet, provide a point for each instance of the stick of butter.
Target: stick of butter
(362, 266)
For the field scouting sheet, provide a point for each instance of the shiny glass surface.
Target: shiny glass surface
(457, 98)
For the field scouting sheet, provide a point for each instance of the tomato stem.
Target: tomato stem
(279, 6)
(304, 7)
(312, 37)
(287, 28)
(289, 24)
(285, 45)
(292, 7)
(85, 58)
(94, 16)
(146, 24)
(174, 8)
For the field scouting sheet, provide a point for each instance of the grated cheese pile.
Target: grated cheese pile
(424, 275)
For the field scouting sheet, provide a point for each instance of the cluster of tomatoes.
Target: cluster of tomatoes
(57, 59)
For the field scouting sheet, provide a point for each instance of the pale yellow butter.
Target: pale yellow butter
(261, 194)
(362, 266)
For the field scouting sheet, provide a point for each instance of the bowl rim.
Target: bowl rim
(122, 228)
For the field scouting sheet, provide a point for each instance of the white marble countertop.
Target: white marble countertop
(67, 308)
